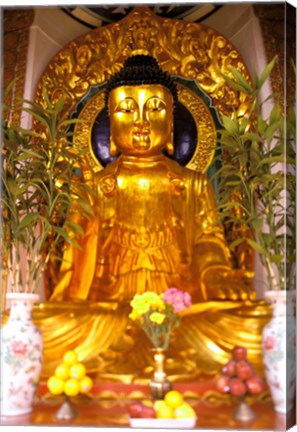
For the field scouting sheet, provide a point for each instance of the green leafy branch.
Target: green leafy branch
(257, 177)
(42, 190)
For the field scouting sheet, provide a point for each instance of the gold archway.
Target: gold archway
(190, 51)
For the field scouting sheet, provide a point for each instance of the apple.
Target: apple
(229, 368)
(255, 385)
(239, 353)
(223, 383)
(134, 409)
(237, 387)
(147, 412)
(244, 369)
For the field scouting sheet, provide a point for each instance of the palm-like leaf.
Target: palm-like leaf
(41, 190)
(259, 167)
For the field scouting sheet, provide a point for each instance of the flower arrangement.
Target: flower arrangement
(158, 315)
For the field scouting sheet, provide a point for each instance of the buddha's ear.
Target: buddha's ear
(112, 147)
(169, 145)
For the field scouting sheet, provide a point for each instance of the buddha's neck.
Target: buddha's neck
(148, 161)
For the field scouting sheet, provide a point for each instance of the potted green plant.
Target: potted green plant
(257, 196)
(41, 192)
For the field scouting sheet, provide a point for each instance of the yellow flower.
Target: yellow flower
(133, 315)
(154, 300)
(150, 297)
(157, 317)
(140, 306)
(160, 305)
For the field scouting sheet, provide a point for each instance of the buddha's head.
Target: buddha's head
(140, 100)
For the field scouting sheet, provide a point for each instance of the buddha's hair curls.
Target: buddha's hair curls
(141, 69)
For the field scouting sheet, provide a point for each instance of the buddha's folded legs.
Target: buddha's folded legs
(112, 349)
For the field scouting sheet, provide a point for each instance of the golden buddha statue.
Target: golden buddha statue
(155, 226)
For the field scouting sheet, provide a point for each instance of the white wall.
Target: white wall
(238, 23)
(50, 31)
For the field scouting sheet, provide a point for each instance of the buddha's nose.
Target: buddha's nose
(141, 120)
(141, 124)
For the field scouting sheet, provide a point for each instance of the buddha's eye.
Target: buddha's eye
(126, 106)
(155, 105)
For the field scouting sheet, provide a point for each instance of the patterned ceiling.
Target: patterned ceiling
(93, 17)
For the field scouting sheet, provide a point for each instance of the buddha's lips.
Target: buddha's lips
(140, 133)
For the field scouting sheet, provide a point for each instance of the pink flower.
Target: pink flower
(179, 300)
(269, 343)
(187, 300)
(19, 348)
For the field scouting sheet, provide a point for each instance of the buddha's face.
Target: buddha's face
(140, 118)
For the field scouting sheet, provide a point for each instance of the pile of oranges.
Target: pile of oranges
(70, 377)
(173, 406)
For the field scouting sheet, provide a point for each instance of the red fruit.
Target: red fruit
(229, 368)
(147, 412)
(244, 369)
(237, 387)
(134, 410)
(239, 353)
(255, 385)
(223, 383)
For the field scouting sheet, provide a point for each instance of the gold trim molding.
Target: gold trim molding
(16, 25)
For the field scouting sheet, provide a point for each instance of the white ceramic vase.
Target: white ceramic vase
(21, 356)
(279, 350)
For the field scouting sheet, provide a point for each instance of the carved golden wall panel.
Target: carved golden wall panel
(184, 49)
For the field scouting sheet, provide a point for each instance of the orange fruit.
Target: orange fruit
(184, 411)
(77, 371)
(85, 385)
(71, 387)
(173, 399)
(159, 405)
(55, 385)
(70, 358)
(164, 412)
(62, 371)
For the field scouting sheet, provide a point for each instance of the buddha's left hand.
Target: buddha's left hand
(224, 283)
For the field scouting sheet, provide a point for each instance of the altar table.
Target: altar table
(111, 413)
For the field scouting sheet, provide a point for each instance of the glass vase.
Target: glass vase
(159, 385)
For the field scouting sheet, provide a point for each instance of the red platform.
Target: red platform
(107, 405)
